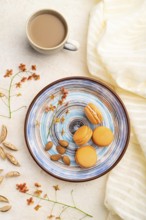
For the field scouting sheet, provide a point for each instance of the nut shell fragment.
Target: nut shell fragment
(3, 199)
(2, 153)
(12, 159)
(5, 208)
(10, 146)
(3, 133)
(1, 179)
(13, 174)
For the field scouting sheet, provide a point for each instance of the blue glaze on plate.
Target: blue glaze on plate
(81, 92)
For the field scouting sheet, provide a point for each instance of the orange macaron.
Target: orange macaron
(93, 114)
(86, 156)
(102, 136)
(82, 135)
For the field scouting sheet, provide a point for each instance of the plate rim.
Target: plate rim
(104, 84)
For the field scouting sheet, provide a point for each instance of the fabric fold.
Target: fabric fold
(116, 54)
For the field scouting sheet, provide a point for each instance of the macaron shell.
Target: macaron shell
(86, 156)
(102, 136)
(93, 114)
(86, 138)
(82, 135)
(90, 116)
(98, 112)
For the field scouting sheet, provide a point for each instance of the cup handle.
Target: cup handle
(71, 46)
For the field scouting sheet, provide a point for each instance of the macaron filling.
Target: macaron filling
(94, 114)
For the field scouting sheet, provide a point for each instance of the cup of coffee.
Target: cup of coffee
(47, 32)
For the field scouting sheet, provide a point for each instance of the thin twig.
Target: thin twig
(83, 217)
(73, 198)
(19, 76)
(39, 201)
(9, 93)
(4, 116)
(18, 109)
(29, 71)
(4, 102)
(54, 203)
(17, 94)
(61, 203)
(63, 210)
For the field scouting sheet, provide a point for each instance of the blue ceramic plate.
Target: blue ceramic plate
(47, 120)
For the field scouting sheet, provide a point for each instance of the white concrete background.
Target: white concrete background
(15, 49)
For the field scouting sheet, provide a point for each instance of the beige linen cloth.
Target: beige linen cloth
(116, 53)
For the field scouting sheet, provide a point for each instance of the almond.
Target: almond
(63, 143)
(60, 149)
(55, 157)
(49, 145)
(66, 160)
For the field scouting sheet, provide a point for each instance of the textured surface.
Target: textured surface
(116, 54)
(14, 49)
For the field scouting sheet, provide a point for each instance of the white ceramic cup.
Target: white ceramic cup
(65, 44)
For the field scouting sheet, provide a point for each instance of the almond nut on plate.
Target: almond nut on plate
(66, 160)
(63, 143)
(55, 157)
(60, 149)
(49, 145)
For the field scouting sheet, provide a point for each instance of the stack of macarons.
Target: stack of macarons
(102, 136)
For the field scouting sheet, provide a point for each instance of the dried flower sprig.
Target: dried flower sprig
(25, 75)
(23, 188)
(37, 185)
(30, 201)
(62, 132)
(54, 108)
